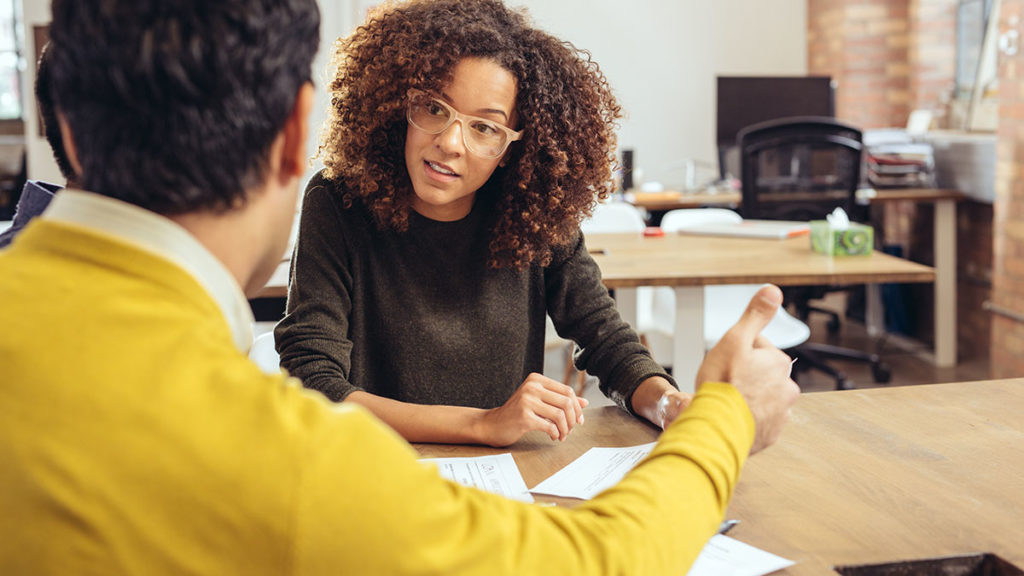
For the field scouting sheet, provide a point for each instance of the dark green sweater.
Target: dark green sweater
(419, 317)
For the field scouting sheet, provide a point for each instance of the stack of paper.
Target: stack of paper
(893, 159)
(772, 229)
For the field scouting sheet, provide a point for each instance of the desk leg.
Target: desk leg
(874, 314)
(945, 283)
(688, 337)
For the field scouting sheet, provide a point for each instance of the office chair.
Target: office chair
(802, 168)
(723, 305)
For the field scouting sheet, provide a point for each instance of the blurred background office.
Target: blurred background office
(958, 59)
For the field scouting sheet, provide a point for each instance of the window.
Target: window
(11, 62)
(975, 98)
(971, 21)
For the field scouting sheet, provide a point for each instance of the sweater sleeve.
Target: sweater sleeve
(582, 310)
(312, 339)
(366, 506)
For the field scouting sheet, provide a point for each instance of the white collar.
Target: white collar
(163, 237)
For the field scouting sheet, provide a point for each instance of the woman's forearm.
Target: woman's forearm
(425, 423)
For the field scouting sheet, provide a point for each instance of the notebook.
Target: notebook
(778, 229)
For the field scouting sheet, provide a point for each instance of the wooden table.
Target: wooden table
(688, 263)
(944, 245)
(860, 476)
(888, 474)
(538, 457)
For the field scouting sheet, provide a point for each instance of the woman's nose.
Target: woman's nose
(450, 140)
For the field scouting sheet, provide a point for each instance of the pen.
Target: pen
(727, 525)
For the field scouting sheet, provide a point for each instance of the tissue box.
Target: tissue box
(856, 240)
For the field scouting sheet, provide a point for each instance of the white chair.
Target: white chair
(555, 343)
(612, 217)
(264, 353)
(723, 305)
(616, 218)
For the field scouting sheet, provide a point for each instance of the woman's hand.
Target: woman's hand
(539, 403)
(670, 406)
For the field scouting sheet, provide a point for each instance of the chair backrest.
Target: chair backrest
(723, 306)
(612, 217)
(264, 353)
(676, 220)
(799, 168)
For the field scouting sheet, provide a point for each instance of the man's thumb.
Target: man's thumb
(759, 313)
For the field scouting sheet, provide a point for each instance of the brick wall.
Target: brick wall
(1007, 350)
(931, 54)
(889, 58)
(863, 45)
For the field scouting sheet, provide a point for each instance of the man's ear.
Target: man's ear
(295, 132)
(69, 145)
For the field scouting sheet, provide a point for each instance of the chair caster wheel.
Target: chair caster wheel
(882, 373)
(844, 383)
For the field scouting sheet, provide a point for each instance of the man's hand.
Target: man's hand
(760, 371)
(540, 403)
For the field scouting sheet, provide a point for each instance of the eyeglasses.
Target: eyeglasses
(483, 137)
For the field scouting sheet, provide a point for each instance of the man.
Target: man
(135, 435)
(36, 194)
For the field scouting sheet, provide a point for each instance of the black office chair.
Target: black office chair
(802, 168)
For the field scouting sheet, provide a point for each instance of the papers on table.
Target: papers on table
(585, 477)
(724, 555)
(595, 470)
(498, 474)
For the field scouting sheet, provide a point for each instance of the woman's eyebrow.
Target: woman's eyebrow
(481, 111)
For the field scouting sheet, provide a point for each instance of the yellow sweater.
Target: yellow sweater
(136, 439)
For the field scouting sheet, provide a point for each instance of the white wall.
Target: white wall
(338, 17)
(660, 56)
(40, 162)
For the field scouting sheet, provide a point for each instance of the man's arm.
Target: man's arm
(366, 506)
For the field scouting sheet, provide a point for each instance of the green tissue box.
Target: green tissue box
(856, 240)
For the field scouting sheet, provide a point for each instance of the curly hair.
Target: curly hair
(551, 179)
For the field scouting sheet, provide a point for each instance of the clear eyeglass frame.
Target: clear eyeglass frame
(476, 141)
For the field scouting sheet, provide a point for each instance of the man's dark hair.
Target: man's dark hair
(173, 106)
(44, 99)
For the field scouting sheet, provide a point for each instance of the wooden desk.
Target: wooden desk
(869, 476)
(859, 476)
(675, 200)
(689, 263)
(277, 286)
(538, 457)
(944, 247)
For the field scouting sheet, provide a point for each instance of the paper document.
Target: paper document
(498, 474)
(595, 470)
(724, 555)
(779, 229)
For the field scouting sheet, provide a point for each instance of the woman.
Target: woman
(463, 149)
